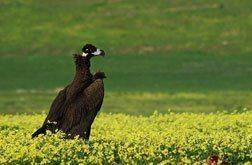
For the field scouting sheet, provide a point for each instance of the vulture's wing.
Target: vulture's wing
(54, 114)
(93, 96)
(57, 107)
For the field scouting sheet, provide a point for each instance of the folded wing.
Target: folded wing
(92, 97)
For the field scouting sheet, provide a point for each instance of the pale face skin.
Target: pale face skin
(98, 52)
(91, 50)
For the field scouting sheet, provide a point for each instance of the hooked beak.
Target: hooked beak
(99, 52)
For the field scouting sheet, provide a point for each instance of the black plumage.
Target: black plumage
(76, 106)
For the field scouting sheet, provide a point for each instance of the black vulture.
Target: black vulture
(76, 106)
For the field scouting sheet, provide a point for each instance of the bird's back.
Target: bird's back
(93, 95)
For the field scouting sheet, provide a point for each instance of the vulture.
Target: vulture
(76, 106)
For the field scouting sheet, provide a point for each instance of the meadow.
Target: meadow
(126, 139)
(187, 61)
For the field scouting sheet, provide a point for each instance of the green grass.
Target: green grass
(124, 139)
(59, 27)
(197, 83)
(183, 55)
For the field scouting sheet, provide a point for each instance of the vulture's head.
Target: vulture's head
(90, 50)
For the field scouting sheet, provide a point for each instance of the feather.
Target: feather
(76, 106)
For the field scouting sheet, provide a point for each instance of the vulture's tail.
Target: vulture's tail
(48, 126)
(41, 130)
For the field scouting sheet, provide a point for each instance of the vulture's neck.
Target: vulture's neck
(83, 69)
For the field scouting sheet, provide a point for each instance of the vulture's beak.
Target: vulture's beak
(99, 52)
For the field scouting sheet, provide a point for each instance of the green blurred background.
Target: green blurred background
(187, 56)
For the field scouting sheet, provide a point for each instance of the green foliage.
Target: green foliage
(118, 138)
(188, 54)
